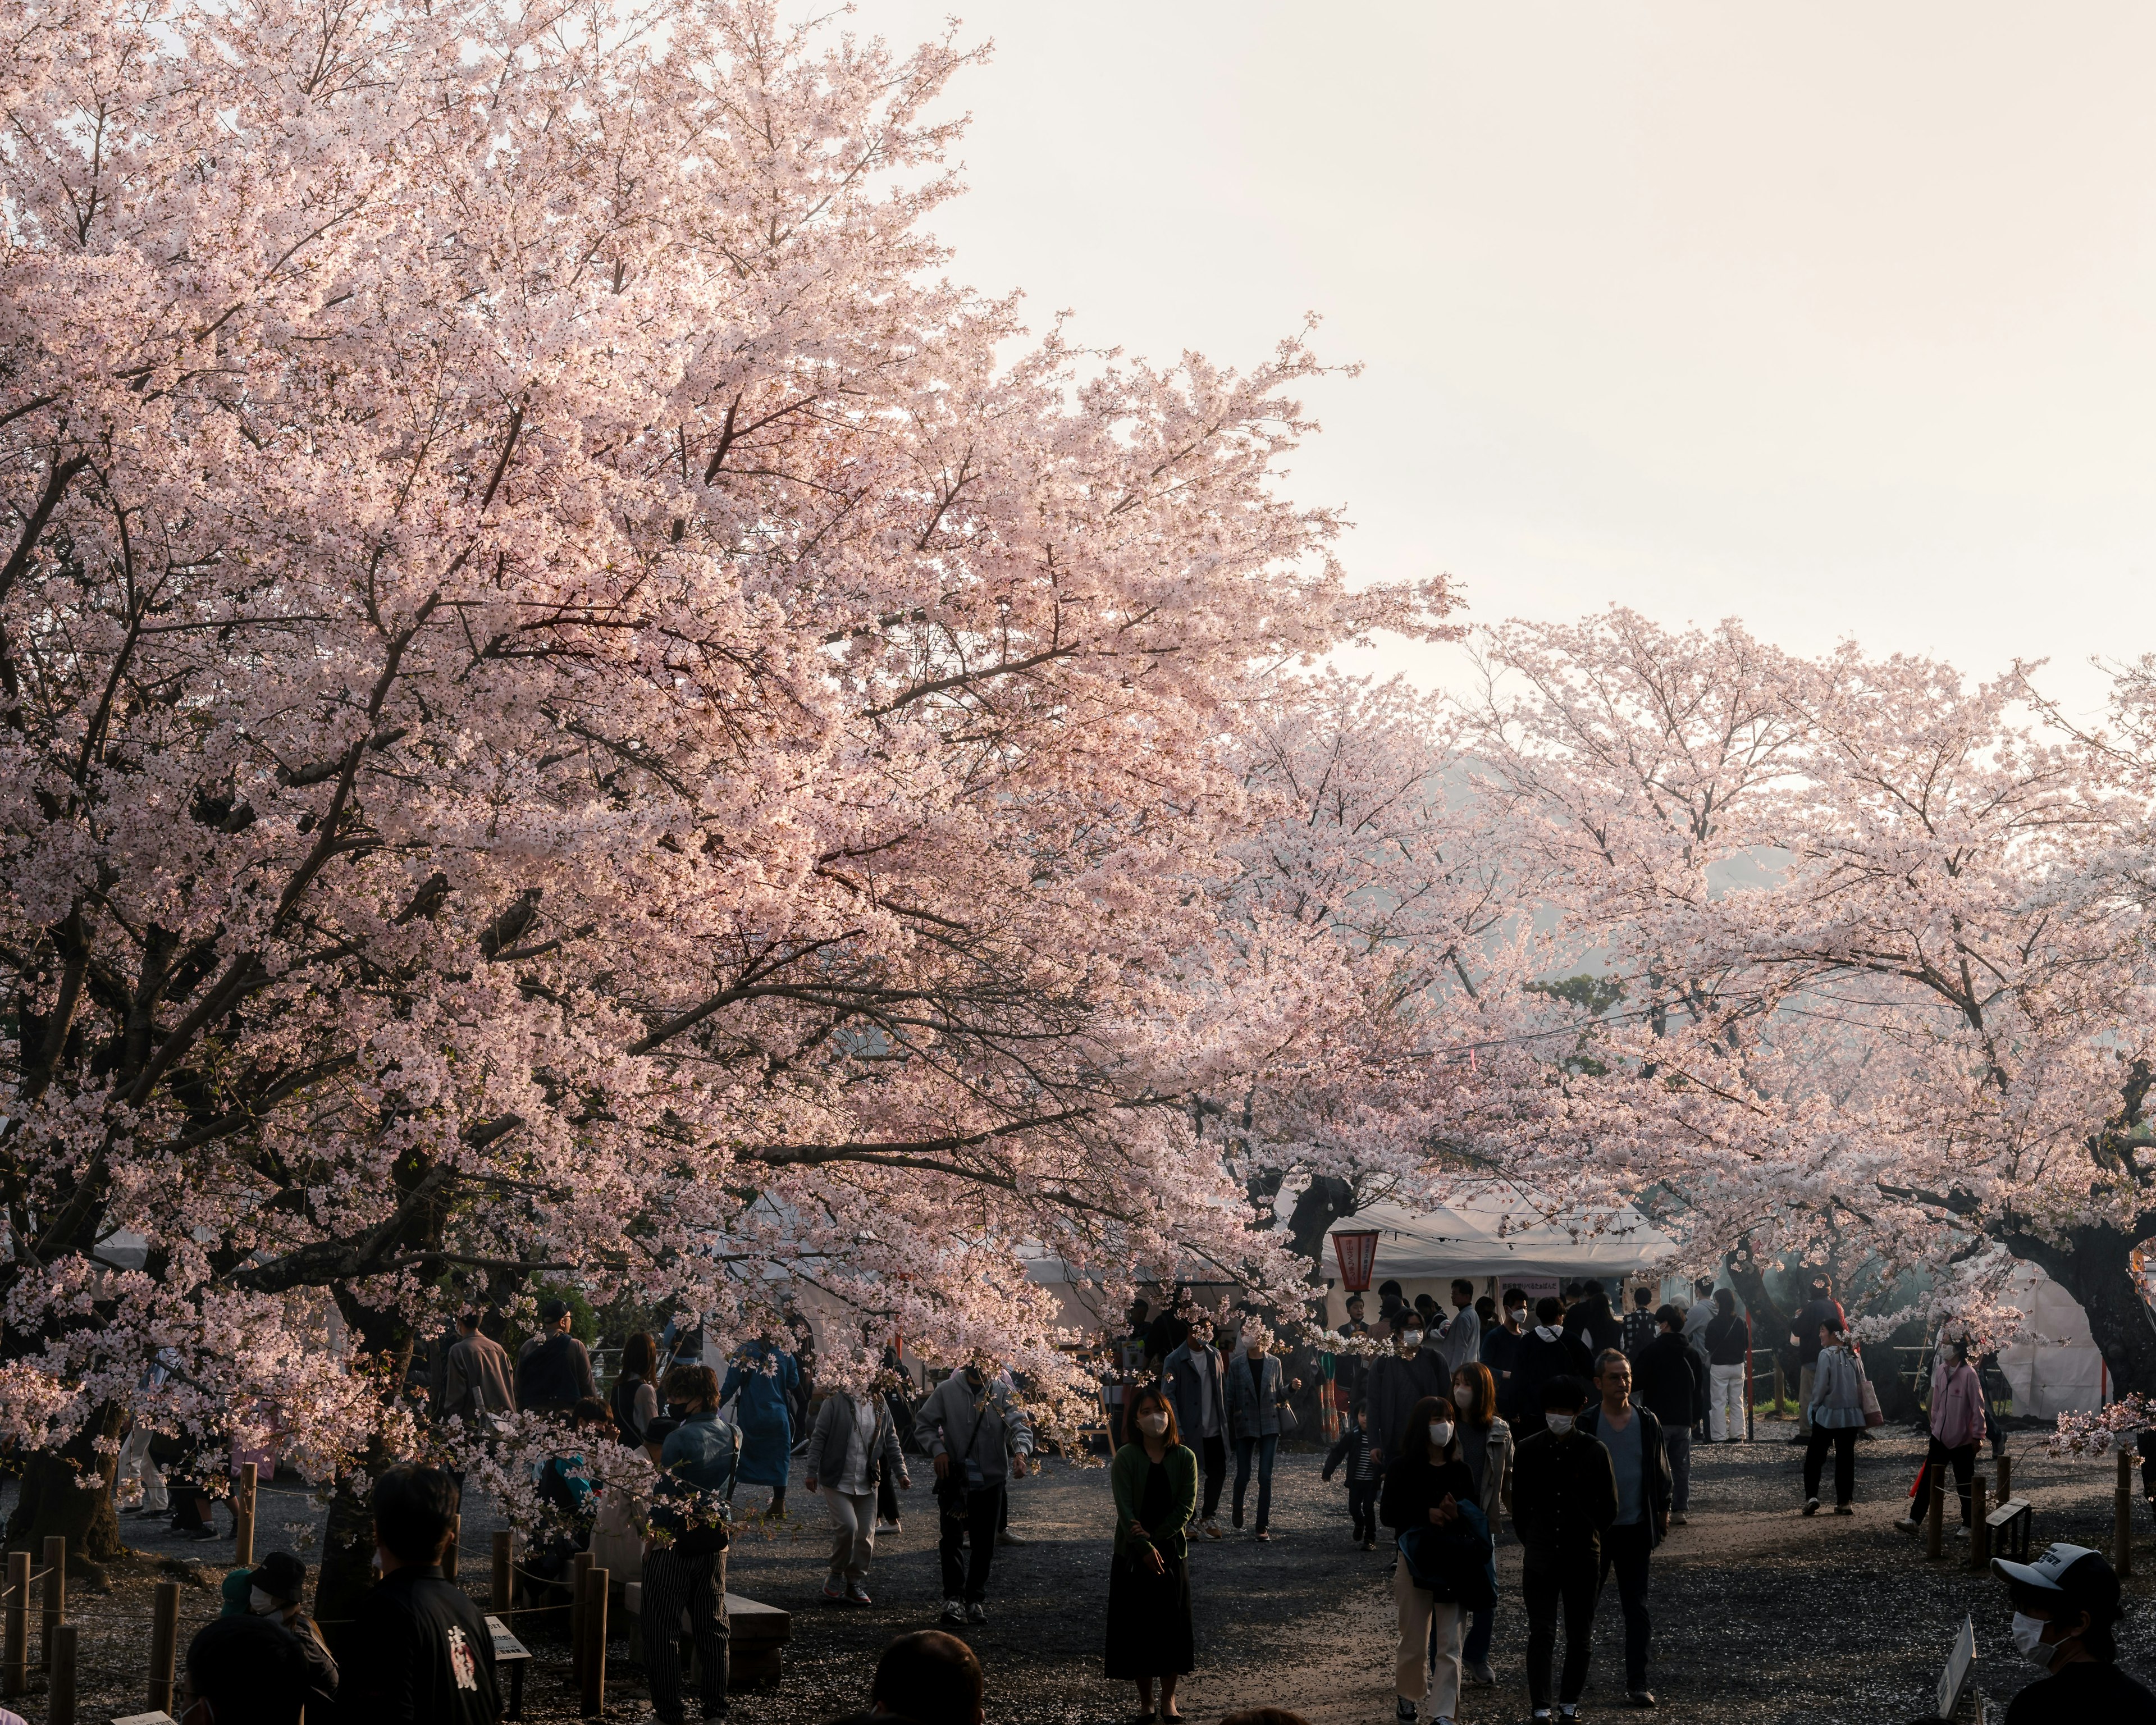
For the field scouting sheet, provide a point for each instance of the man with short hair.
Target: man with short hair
(553, 1372)
(1728, 1347)
(1500, 1352)
(929, 1678)
(1700, 1315)
(1804, 1336)
(421, 1652)
(1195, 1379)
(979, 1437)
(1670, 1379)
(686, 1572)
(476, 1379)
(1639, 1322)
(1564, 1498)
(1460, 1342)
(1638, 1457)
(1545, 1353)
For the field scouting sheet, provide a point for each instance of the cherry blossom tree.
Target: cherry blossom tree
(563, 714)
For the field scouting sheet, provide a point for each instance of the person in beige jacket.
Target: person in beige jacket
(476, 1383)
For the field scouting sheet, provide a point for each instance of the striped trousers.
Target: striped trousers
(673, 1584)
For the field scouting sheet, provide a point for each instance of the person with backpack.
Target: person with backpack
(685, 1563)
(1427, 1486)
(1672, 1381)
(553, 1371)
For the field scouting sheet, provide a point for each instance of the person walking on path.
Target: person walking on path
(2066, 1609)
(1638, 1457)
(1545, 1353)
(421, 1653)
(553, 1371)
(1255, 1395)
(1835, 1412)
(1500, 1352)
(1957, 1424)
(636, 1388)
(979, 1437)
(1669, 1378)
(1640, 1327)
(1424, 1487)
(1486, 1445)
(1729, 1346)
(760, 1383)
(1398, 1381)
(1154, 1480)
(1193, 1375)
(853, 1448)
(699, 1457)
(1564, 1502)
(1459, 1341)
(1803, 1335)
(1358, 1455)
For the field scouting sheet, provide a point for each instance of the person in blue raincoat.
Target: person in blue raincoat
(760, 1381)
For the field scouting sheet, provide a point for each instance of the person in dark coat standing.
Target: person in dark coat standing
(1668, 1377)
(1591, 1322)
(1194, 1376)
(1638, 1457)
(1500, 1352)
(1425, 1485)
(1398, 1381)
(421, 1653)
(1545, 1353)
(553, 1372)
(1804, 1337)
(1564, 1499)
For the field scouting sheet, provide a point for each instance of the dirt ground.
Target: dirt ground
(1759, 1614)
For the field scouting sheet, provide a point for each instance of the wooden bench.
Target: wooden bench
(756, 1637)
(2008, 1526)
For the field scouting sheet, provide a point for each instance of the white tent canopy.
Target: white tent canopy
(1494, 1233)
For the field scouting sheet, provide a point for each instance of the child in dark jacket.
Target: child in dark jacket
(1364, 1475)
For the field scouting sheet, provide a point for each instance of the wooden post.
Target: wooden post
(1935, 1514)
(592, 1645)
(242, 1518)
(1979, 1535)
(1781, 1385)
(164, 1646)
(56, 1596)
(498, 1587)
(2122, 1529)
(16, 1677)
(450, 1552)
(578, 1576)
(2005, 1476)
(60, 1694)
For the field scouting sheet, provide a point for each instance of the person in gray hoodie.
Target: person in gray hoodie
(1193, 1374)
(979, 1437)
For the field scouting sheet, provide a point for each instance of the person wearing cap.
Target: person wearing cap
(273, 1589)
(2065, 1604)
(553, 1372)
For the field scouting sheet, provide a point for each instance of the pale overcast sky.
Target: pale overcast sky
(1839, 318)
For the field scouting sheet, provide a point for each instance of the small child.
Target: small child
(1363, 1476)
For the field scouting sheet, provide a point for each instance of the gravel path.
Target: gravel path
(1759, 1614)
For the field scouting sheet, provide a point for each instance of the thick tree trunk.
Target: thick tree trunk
(54, 1501)
(2095, 1265)
(382, 1343)
(1320, 1204)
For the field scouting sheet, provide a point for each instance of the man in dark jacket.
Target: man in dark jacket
(1545, 1351)
(1640, 1321)
(553, 1372)
(1639, 1455)
(1668, 1377)
(1564, 1499)
(421, 1654)
(1591, 1322)
(1400, 1380)
(1805, 1337)
(1500, 1352)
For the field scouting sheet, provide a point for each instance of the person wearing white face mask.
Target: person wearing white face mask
(2065, 1604)
(275, 1587)
(1485, 1444)
(1154, 1480)
(1426, 1487)
(1397, 1383)
(1564, 1502)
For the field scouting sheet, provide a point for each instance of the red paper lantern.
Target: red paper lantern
(1358, 1252)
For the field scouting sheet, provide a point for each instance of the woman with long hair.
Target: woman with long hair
(1424, 1487)
(1154, 1477)
(1486, 1445)
(636, 1388)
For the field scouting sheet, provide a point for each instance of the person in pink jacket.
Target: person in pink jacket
(1957, 1429)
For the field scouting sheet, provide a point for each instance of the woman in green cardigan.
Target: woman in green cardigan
(1155, 1480)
